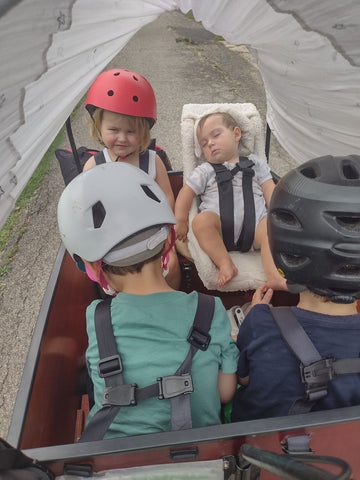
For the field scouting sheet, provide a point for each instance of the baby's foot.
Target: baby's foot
(227, 272)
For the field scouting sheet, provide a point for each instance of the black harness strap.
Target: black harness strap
(99, 158)
(175, 387)
(143, 160)
(224, 179)
(315, 371)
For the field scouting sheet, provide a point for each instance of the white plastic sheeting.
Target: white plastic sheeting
(51, 50)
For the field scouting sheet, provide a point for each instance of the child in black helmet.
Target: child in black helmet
(118, 220)
(314, 235)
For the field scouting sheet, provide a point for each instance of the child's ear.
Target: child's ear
(237, 132)
(94, 269)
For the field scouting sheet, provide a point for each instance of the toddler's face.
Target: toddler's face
(219, 142)
(118, 134)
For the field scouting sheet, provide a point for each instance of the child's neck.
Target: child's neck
(308, 301)
(149, 280)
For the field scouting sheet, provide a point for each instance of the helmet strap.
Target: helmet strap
(123, 158)
(165, 257)
(295, 287)
(99, 278)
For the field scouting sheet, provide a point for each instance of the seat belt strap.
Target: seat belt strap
(109, 366)
(198, 338)
(246, 238)
(224, 178)
(300, 344)
(99, 158)
(144, 161)
(316, 371)
(226, 203)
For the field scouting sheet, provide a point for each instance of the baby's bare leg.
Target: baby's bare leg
(274, 279)
(207, 229)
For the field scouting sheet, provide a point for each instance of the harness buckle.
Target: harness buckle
(223, 176)
(198, 338)
(175, 385)
(320, 372)
(248, 172)
(316, 376)
(110, 366)
(122, 395)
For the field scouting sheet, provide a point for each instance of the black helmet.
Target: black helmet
(314, 227)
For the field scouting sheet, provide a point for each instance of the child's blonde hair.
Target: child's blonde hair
(139, 124)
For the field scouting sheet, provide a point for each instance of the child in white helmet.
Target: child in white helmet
(118, 220)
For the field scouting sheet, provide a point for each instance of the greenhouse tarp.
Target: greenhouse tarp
(51, 50)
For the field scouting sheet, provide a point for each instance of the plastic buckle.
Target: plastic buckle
(248, 172)
(320, 372)
(175, 385)
(121, 396)
(109, 366)
(199, 339)
(224, 176)
(246, 164)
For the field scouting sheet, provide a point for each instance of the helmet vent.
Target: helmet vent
(150, 193)
(352, 224)
(135, 98)
(110, 93)
(349, 271)
(135, 78)
(350, 171)
(285, 219)
(99, 214)
(293, 261)
(309, 172)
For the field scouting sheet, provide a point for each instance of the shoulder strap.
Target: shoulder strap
(109, 368)
(316, 371)
(144, 161)
(246, 238)
(224, 178)
(226, 203)
(174, 387)
(198, 338)
(99, 158)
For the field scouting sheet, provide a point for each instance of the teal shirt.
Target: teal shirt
(151, 332)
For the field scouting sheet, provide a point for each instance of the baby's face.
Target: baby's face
(219, 142)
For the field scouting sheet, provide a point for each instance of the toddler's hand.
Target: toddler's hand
(262, 294)
(181, 230)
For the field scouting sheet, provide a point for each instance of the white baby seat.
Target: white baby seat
(251, 273)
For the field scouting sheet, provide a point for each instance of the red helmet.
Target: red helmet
(122, 91)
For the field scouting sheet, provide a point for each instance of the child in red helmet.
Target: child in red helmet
(122, 106)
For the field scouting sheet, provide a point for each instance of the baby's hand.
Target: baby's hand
(181, 230)
(262, 294)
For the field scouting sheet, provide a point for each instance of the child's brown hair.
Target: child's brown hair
(227, 119)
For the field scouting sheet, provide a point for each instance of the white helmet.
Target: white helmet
(113, 204)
